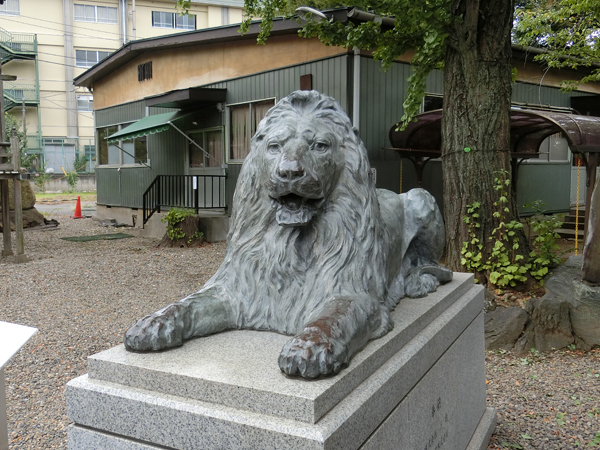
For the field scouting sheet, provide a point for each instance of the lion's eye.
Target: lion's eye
(321, 146)
(273, 147)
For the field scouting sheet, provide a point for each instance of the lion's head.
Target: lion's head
(305, 209)
(301, 159)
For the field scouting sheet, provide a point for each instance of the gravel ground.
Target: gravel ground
(82, 296)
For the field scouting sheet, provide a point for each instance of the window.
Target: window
(89, 58)
(85, 103)
(432, 102)
(10, 8)
(90, 155)
(212, 143)
(134, 151)
(162, 19)
(145, 71)
(224, 15)
(243, 120)
(554, 149)
(91, 13)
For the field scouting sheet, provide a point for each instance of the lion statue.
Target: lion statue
(314, 250)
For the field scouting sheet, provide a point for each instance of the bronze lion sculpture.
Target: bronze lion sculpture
(314, 249)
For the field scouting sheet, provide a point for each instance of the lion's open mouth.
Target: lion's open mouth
(294, 210)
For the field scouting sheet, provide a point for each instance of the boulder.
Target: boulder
(489, 303)
(549, 326)
(31, 218)
(503, 326)
(560, 280)
(585, 312)
(27, 195)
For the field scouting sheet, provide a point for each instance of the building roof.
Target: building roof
(204, 36)
(228, 33)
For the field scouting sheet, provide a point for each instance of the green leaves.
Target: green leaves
(420, 27)
(172, 219)
(566, 31)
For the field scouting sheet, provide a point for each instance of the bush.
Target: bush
(72, 178)
(182, 228)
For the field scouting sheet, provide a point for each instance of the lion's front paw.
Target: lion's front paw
(313, 353)
(161, 330)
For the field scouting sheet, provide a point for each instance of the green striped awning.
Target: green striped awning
(147, 125)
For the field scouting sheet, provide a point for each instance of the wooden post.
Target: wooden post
(18, 200)
(7, 250)
(3, 425)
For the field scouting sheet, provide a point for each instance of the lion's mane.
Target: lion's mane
(277, 278)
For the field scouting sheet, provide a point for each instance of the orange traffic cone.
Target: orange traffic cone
(77, 214)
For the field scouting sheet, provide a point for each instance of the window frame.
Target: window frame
(87, 52)
(108, 9)
(204, 132)
(90, 102)
(121, 163)
(5, 11)
(174, 19)
(228, 124)
(544, 156)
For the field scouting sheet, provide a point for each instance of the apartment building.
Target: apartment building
(46, 43)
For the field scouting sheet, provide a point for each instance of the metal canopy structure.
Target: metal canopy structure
(528, 128)
(421, 141)
(148, 125)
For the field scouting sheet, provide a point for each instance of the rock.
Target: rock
(585, 312)
(591, 249)
(549, 326)
(503, 326)
(489, 303)
(560, 281)
(31, 218)
(27, 195)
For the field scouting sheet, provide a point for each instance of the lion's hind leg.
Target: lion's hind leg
(199, 314)
(425, 279)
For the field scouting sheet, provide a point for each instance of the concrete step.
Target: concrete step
(571, 225)
(570, 233)
(570, 218)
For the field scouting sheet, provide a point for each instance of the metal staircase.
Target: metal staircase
(21, 47)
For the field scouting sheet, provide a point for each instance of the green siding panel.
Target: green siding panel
(549, 182)
(126, 113)
(534, 94)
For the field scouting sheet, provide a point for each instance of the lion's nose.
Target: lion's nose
(290, 170)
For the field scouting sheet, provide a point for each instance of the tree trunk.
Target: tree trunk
(476, 120)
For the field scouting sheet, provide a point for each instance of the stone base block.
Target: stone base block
(422, 386)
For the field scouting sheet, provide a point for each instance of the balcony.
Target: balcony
(16, 93)
(17, 46)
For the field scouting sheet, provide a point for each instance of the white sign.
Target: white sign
(12, 338)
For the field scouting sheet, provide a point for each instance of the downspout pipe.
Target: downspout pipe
(133, 20)
(356, 89)
(124, 20)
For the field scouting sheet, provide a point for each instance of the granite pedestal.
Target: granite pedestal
(422, 386)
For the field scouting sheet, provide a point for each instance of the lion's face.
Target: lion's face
(301, 165)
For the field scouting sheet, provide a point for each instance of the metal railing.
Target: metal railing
(19, 92)
(184, 191)
(18, 42)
